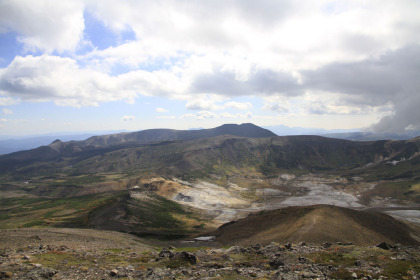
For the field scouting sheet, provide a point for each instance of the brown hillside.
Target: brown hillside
(315, 224)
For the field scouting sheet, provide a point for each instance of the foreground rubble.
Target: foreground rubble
(275, 261)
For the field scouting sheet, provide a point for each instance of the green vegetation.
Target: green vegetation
(403, 190)
(345, 258)
(157, 215)
(36, 212)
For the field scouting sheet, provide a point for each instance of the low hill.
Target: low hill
(315, 224)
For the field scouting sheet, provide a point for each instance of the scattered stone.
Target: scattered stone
(326, 245)
(358, 263)
(235, 250)
(165, 253)
(288, 246)
(217, 251)
(354, 275)
(113, 272)
(40, 273)
(302, 260)
(276, 263)
(307, 274)
(5, 274)
(26, 257)
(384, 246)
(185, 256)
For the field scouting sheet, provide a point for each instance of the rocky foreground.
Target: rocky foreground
(87, 254)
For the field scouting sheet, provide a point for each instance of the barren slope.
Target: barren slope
(315, 224)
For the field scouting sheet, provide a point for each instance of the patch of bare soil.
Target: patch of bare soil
(315, 224)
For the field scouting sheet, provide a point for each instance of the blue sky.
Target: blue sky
(87, 65)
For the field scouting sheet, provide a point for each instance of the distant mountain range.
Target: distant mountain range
(140, 137)
(14, 144)
(199, 153)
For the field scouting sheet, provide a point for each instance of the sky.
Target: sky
(90, 65)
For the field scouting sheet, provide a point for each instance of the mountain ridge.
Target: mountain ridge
(207, 155)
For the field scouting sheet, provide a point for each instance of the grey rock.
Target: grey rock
(165, 253)
(6, 274)
(113, 272)
(276, 263)
(185, 256)
(235, 250)
(384, 246)
(326, 245)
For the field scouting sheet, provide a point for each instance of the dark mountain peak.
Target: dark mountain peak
(56, 141)
(158, 135)
(244, 130)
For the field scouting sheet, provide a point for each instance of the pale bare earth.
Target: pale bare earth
(229, 203)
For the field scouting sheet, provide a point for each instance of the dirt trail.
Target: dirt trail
(307, 228)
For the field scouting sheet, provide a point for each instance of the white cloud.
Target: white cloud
(202, 115)
(166, 117)
(128, 118)
(206, 52)
(45, 25)
(53, 78)
(238, 105)
(7, 101)
(205, 102)
(7, 111)
(161, 110)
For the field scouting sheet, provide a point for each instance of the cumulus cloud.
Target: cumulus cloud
(52, 78)
(204, 102)
(128, 118)
(46, 25)
(364, 56)
(238, 105)
(6, 101)
(7, 111)
(166, 117)
(263, 81)
(161, 110)
(61, 80)
(202, 115)
(391, 78)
